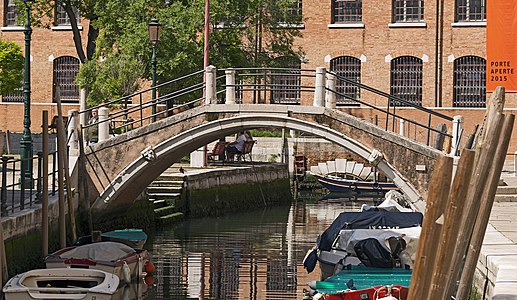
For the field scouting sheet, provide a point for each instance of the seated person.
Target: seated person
(236, 147)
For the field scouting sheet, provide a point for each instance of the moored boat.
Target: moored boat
(345, 184)
(134, 238)
(61, 283)
(360, 282)
(125, 262)
(381, 236)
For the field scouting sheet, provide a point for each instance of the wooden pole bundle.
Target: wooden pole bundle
(487, 201)
(437, 198)
(450, 229)
(468, 210)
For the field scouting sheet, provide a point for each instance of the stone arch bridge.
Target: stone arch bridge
(119, 169)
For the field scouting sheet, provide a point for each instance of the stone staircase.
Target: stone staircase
(164, 193)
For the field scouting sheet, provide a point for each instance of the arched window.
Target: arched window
(285, 84)
(347, 67)
(469, 82)
(65, 71)
(406, 80)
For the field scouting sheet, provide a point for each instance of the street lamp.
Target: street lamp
(154, 37)
(26, 140)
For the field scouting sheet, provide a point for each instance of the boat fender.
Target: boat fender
(149, 267)
(149, 280)
(310, 260)
(126, 272)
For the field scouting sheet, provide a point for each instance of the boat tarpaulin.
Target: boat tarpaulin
(367, 220)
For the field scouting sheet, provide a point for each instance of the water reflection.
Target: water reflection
(251, 255)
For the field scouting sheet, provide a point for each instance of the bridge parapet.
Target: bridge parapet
(281, 86)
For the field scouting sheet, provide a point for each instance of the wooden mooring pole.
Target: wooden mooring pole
(44, 188)
(437, 198)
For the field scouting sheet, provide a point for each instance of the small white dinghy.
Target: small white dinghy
(62, 283)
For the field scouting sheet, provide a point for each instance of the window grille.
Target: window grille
(406, 80)
(16, 97)
(469, 82)
(65, 71)
(471, 10)
(285, 88)
(11, 13)
(62, 18)
(347, 11)
(350, 68)
(408, 11)
(289, 14)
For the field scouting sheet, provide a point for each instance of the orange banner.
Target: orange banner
(501, 45)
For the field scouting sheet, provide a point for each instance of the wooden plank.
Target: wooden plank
(439, 188)
(450, 227)
(487, 201)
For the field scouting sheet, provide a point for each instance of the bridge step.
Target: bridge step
(162, 189)
(506, 198)
(178, 183)
(165, 211)
(506, 190)
(172, 218)
(164, 196)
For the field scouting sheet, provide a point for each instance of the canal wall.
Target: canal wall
(212, 192)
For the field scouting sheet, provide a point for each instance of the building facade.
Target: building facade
(429, 53)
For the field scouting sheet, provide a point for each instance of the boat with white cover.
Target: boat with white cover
(62, 283)
(125, 262)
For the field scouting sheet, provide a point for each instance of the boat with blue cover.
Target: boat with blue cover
(380, 236)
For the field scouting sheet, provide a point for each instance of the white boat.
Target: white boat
(127, 263)
(61, 283)
(383, 236)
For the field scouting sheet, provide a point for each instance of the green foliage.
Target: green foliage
(111, 79)
(266, 133)
(11, 67)
(242, 34)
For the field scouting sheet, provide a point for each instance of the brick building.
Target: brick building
(425, 53)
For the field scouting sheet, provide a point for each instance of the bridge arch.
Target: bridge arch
(158, 157)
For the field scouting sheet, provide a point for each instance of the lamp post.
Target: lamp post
(26, 140)
(154, 37)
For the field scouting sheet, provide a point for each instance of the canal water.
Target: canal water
(249, 255)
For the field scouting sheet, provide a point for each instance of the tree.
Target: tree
(11, 67)
(253, 34)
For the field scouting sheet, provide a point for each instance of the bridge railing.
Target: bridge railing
(139, 109)
(292, 86)
(286, 86)
(15, 196)
(397, 114)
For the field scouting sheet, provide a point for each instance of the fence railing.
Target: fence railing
(17, 194)
(276, 86)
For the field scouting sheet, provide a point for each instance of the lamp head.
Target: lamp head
(154, 31)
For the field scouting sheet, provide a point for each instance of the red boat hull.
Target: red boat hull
(373, 293)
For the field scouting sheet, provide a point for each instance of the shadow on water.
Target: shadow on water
(247, 255)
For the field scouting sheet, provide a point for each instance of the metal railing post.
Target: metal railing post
(230, 86)
(54, 170)
(103, 124)
(330, 92)
(3, 196)
(210, 85)
(73, 123)
(24, 162)
(457, 128)
(40, 177)
(319, 92)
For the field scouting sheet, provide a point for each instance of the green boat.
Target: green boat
(135, 238)
(361, 278)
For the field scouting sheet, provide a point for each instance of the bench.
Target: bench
(246, 150)
(219, 149)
